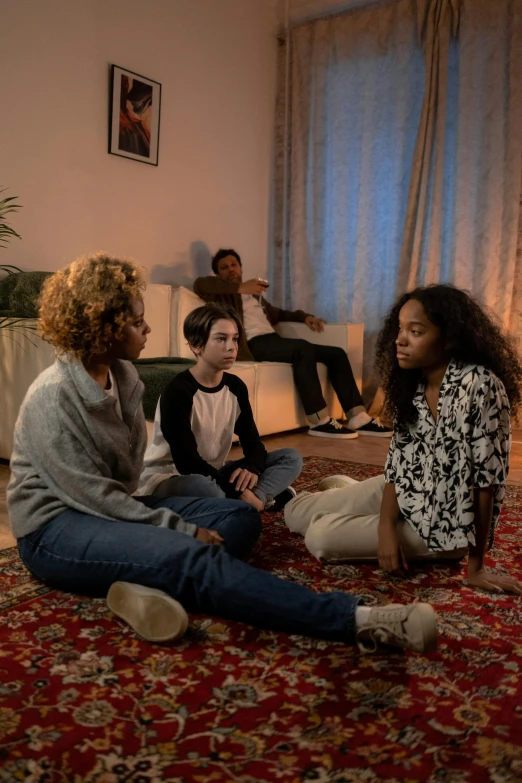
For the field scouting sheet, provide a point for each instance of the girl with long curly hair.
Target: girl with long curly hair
(78, 452)
(451, 379)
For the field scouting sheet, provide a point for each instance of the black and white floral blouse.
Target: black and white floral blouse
(435, 465)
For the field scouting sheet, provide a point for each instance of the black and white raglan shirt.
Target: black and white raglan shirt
(435, 465)
(193, 430)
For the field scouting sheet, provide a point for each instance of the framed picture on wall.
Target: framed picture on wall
(134, 116)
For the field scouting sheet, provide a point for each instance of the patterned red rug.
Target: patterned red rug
(82, 700)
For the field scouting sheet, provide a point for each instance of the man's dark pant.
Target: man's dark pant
(304, 357)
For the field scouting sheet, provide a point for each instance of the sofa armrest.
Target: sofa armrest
(349, 337)
(23, 356)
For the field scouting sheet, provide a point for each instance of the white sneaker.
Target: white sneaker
(335, 482)
(153, 614)
(412, 627)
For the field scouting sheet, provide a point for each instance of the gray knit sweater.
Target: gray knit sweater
(72, 451)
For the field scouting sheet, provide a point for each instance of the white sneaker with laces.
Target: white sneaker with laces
(153, 614)
(412, 627)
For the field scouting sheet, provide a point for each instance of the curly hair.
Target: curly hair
(471, 335)
(87, 303)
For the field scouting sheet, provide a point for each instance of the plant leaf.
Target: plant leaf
(7, 322)
(7, 206)
(10, 269)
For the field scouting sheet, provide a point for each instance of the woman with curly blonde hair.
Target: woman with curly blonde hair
(78, 451)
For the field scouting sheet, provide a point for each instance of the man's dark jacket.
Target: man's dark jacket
(214, 289)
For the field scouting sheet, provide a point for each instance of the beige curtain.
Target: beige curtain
(515, 324)
(404, 126)
(280, 191)
(485, 162)
(355, 95)
(437, 23)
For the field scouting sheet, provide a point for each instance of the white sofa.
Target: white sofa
(273, 397)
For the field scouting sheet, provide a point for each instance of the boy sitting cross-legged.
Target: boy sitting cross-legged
(197, 415)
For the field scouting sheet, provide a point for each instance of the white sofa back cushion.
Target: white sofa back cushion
(183, 303)
(157, 301)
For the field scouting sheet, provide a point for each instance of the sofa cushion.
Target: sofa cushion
(157, 301)
(19, 293)
(155, 374)
(183, 303)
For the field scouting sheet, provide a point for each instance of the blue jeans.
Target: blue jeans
(282, 467)
(85, 554)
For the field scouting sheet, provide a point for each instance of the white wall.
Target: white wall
(215, 60)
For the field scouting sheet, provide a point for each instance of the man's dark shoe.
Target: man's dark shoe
(332, 429)
(280, 501)
(375, 428)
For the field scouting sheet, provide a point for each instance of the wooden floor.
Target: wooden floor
(364, 449)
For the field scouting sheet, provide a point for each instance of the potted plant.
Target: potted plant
(7, 232)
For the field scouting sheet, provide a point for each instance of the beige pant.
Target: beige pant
(341, 524)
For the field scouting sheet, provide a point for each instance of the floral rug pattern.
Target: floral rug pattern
(83, 700)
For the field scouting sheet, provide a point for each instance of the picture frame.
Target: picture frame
(134, 116)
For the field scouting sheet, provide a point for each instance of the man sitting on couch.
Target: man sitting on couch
(263, 344)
